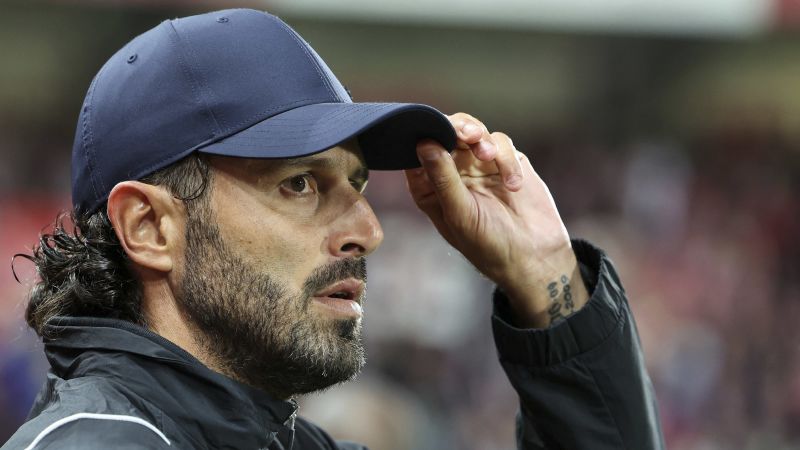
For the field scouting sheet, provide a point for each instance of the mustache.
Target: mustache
(330, 273)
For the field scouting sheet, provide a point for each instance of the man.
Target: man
(217, 269)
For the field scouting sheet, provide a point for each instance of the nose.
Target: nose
(356, 232)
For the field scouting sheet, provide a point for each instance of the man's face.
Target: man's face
(275, 273)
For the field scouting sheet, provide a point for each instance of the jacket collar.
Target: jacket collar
(215, 408)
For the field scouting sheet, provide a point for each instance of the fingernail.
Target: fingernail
(513, 180)
(470, 128)
(429, 153)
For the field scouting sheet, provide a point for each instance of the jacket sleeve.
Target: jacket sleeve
(582, 383)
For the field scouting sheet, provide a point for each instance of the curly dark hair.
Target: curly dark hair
(83, 270)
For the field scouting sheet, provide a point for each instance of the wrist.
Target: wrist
(547, 293)
(537, 268)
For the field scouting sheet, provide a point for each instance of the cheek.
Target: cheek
(288, 247)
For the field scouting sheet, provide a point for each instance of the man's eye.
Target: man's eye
(358, 185)
(300, 184)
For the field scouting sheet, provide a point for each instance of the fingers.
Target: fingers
(473, 135)
(487, 147)
(423, 194)
(442, 177)
(425, 197)
(508, 162)
(421, 189)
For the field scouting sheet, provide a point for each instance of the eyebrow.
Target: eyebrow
(361, 174)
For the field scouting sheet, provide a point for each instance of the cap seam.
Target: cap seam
(190, 75)
(320, 133)
(220, 121)
(309, 134)
(87, 138)
(261, 113)
(310, 57)
(334, 115)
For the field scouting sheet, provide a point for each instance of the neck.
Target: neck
(165, 318)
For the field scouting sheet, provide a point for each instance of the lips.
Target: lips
(341, 299)
(348, 289)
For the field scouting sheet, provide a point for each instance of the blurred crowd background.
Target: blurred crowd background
(669, 135)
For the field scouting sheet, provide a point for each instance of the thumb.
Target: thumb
(454, 198)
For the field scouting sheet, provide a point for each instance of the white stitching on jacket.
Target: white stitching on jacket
(58, 423)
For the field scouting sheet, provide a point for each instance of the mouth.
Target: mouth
(348, 289)
(342, 298)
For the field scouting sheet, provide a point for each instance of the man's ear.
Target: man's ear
(148, 222)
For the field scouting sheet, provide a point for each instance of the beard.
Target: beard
(258, 331)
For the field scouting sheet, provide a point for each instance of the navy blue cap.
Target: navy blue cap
(237, 83)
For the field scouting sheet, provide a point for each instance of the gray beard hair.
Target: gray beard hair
(254, 330)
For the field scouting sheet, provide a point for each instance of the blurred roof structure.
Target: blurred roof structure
(676, 17)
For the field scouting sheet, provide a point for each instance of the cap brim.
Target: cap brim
(387, 133)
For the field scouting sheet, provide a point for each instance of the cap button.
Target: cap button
(132, 58)
(222, 19)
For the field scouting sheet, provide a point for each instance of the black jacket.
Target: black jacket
(582, 385)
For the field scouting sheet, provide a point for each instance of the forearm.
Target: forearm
(582, 383)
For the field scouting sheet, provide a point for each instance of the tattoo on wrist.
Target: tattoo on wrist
(568, 302)
(562, 303)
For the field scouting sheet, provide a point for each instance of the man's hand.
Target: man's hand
(488, 202)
